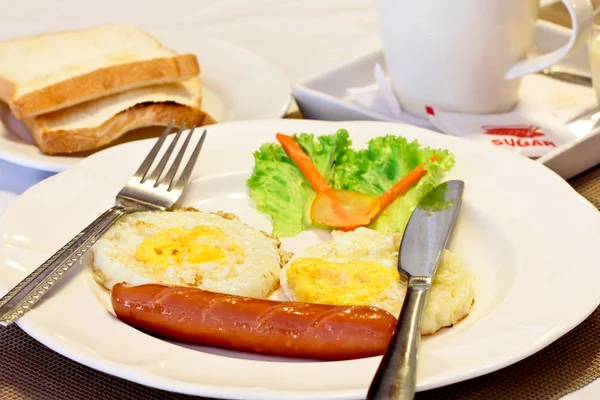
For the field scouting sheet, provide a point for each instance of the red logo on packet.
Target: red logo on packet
(521, 131)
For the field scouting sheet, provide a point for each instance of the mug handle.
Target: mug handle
(582, 19)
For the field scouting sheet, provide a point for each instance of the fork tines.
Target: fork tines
(168, 181)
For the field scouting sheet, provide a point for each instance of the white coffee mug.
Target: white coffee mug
(467, 56)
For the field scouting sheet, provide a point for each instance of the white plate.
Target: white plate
(531, 240)
(237, 85)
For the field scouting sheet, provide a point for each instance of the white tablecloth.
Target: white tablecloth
(302, 37)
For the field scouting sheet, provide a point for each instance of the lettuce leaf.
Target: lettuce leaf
(327, 152)
(279, 189)
(378, 167)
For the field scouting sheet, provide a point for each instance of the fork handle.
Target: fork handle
(30, 290)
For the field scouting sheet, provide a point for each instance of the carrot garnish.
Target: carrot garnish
(345, 209)
(399, 188)
(331, 207)
(303, 162)
(340, 208)
(402, 186)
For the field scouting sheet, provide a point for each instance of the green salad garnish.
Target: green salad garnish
(279, 189)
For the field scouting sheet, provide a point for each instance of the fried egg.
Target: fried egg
(360, 268)
(186, 248)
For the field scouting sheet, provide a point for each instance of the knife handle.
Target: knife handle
(396, 376)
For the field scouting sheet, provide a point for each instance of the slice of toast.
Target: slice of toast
(44, 73)
(98, 122)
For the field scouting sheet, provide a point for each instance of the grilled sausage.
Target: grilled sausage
(289, 329)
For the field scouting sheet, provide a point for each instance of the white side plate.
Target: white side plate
(237, 85)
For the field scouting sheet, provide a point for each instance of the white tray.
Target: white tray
(325, 95)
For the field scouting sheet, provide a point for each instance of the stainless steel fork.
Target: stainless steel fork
(145, 191)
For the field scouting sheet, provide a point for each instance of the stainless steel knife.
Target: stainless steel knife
(424, 239)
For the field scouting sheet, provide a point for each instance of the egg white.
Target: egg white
(450, 297)
(256, 274)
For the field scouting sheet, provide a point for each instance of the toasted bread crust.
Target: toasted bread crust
(142, 115)
(103, 82)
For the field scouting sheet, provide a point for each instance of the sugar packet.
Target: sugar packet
(530, 133)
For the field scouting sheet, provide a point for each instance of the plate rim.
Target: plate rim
(28, 325)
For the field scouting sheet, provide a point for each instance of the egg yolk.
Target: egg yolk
(354, 283)
(179, 246)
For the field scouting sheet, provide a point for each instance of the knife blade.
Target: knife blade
(424, 239)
